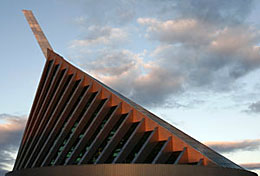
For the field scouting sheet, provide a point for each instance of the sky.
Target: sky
(195, 64)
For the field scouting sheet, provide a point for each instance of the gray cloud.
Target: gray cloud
(127, 72)
(251, 166)
(207, 55)
(222, 12)
(217, 55)
(122, 12)
(198, 45)
(107, 12)
(112, 63)
(229, 147)
(10, 136)
(254, 107)
(156, 86)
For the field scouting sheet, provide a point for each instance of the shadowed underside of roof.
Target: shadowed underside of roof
(75, 119)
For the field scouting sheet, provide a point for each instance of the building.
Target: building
(79, 126)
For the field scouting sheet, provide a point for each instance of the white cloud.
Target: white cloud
(189, 31)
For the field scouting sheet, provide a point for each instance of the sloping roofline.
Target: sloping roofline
(201, 148)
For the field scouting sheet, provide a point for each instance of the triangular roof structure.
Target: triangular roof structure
(76, 120)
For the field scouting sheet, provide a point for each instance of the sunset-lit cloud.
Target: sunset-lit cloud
(234, 146)
(251, 166)
(11, 129)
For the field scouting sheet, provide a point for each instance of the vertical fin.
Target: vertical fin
(37, 31)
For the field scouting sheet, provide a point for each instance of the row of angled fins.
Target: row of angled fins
(70, 124)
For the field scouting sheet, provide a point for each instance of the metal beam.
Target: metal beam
(122, 130)
(200, 163)
(61, 122)
(73, 122)
(29, 134)
(180, 155)
(147, 147)
(93, 124)
(37, 131)
(163, 154)
(48, 118)
(47, 134)
(131, 142)
(31, 116)
(102, 134)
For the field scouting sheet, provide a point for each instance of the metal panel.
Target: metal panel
(131, 170)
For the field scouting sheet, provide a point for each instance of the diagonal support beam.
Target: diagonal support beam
(122, 130)
(131, 142)
(110, 122)
(180, 155)
(200, 163)
(47, 116)
(94, 116)
(147, 147)
(37, 31)
(163, 154)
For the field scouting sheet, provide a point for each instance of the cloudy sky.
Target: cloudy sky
(195, 63)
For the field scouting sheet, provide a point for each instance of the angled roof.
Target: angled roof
(60, 133)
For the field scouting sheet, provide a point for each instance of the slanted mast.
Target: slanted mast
(37, 31)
